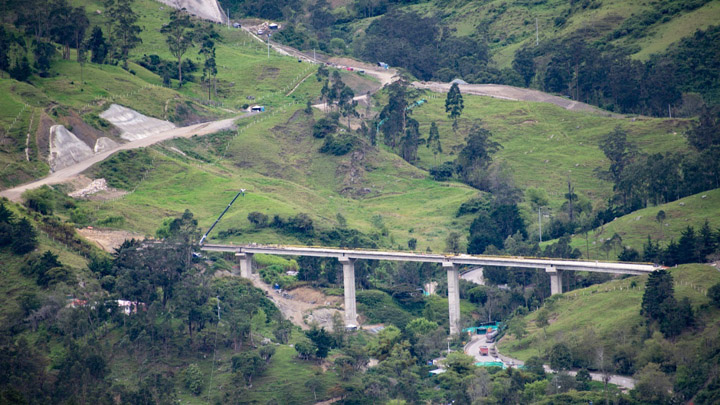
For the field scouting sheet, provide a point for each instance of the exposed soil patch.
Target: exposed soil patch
(108, 239)
(303, 306)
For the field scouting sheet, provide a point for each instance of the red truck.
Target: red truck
(484, 350)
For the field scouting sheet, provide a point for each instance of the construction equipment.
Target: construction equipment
(242, 192)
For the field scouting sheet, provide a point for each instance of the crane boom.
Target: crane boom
(242, 191)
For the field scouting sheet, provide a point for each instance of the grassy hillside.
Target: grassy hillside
(635, 227)
(612, 312)
(602, 328)
(511, 25)
(277, 161)
(244, 70)
(545, 145)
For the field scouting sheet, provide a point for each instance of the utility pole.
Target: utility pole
(537, 33)
(228, 15)
(268, 43)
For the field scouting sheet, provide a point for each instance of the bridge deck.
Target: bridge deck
(459, 259)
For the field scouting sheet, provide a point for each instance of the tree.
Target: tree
(524, 64)
(394, 115)
(452, 242)
(658, 289)
(409, 142)
(714, 294)
(207, 37)
(43, 52)
(21, 70)
(258, 219)
(80, 24)
(688, 247)
(25, 237)
(125, 32)
(97, 46)
(180, 37)
(660, 218)
(560, 357)
(192, 377)
(653, 386)
(476, 156)
(542, 318)
(61, 25)
(322, 340)
(518, 327)
(706, 132)
(305, 349)
(433, 140)
(454, 104)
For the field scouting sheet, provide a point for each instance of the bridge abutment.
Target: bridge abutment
(349, 290)
(555, 280)
(453, 275)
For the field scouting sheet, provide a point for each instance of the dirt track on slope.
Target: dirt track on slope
(69, 172)
(302, 306)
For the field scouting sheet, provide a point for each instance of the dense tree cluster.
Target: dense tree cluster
(611, 79)
(639, 179)
(18, 233)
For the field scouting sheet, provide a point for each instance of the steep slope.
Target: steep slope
(603, 328)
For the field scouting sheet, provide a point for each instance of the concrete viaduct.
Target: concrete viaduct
(451, 263)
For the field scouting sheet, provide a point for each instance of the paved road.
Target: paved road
(473, 349)
(68, 172)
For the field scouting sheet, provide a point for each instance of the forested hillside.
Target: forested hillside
(348, 154)
(630, 57)
(662, 328)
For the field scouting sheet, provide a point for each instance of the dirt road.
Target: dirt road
(302, 304)
(67, 173)
(513, 93)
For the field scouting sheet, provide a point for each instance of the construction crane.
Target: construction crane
(242, 192)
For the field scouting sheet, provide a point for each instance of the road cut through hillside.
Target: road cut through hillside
(477, 341)
(69, 172)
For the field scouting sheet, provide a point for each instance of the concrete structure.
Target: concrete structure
(555, 280)
(451, 263)
(349, 287)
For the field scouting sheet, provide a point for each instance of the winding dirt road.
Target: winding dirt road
(69, 172)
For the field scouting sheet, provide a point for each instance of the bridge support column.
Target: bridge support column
(453, 296)
(555, 280)
(245, 260)
(349, 287)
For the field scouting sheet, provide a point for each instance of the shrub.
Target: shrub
(258, 219)
(443, 172)
(323, 127)
(338, 146)
(193, 379)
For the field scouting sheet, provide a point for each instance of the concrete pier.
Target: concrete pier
(453, 275)
(245, 260)
(554, 268)
(555, 280)
(349, 287)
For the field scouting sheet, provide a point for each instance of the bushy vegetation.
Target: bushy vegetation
(653, 329)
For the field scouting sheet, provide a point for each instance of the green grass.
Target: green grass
(679, 27)
(635, 227)
(545, 145)
(276, 160)
(609, 308)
